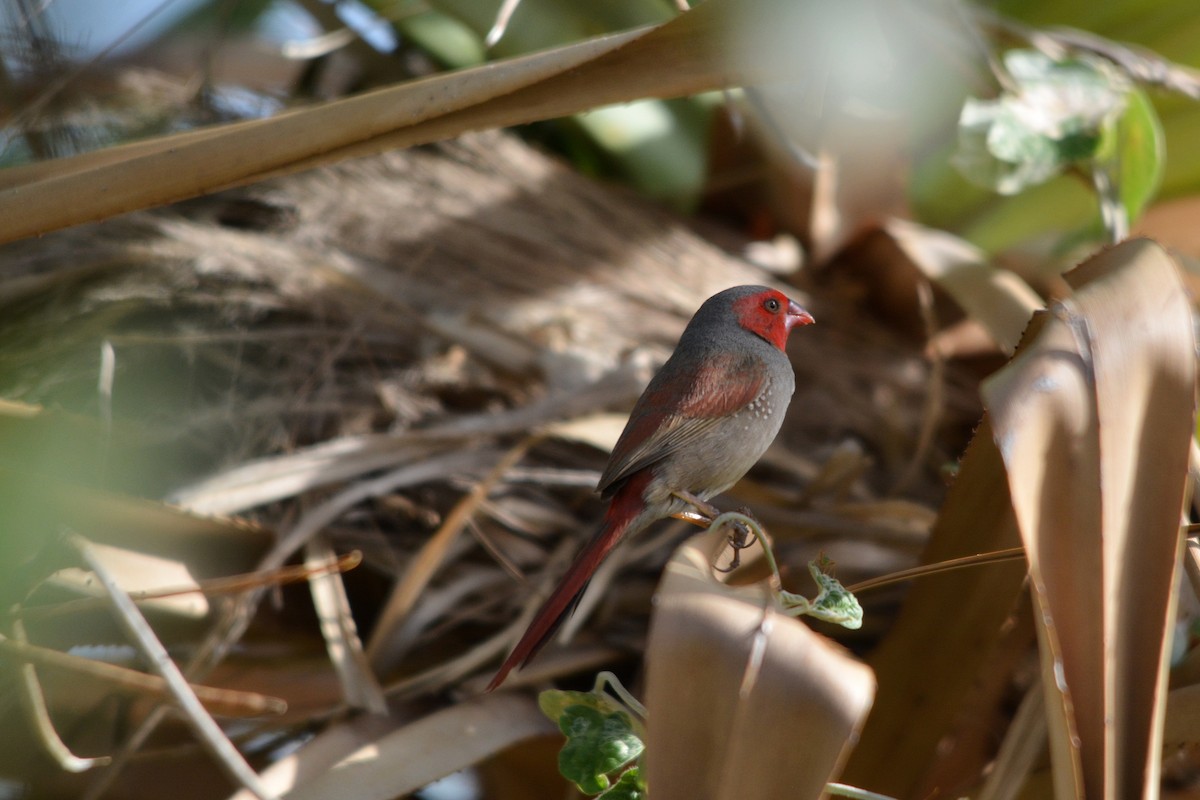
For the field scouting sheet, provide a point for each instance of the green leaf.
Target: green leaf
(832, 604)
(553, 702)
(443, 37)
(597, 744)
(1140, 150)
(1056, 116)
(629, 786)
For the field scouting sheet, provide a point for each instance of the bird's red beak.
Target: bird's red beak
(797, 316)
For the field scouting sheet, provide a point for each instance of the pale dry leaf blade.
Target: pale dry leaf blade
(1043, 412)
(276, 477)
(139, 574)
(1142, 339)
(743, 701)
(306, 131)
(404, 760)
(682, 56)
(1022, 748)
(997, 298)
(1102, 398)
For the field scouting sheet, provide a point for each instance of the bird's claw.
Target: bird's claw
(704, 514)
(739, 540)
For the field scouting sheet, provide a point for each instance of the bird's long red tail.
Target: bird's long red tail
(626, 505)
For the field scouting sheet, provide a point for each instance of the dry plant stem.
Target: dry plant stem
(1011, 554)
(433, 553)
(507, 8)
(360, 688)
(449, 672)
(226, 702)
(139, 630)
(608, 679)
(1024, 744)
(485, 541)
(34, 702)
(212, 587)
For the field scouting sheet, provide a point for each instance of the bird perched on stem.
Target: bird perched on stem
(704, 420)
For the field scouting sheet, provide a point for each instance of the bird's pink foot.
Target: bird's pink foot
(704, 513)
(703, 509)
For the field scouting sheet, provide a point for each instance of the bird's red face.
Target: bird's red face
(771, 315)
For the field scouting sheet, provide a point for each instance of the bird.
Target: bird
(703, 421)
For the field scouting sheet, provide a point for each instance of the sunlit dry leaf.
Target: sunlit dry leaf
(997, 298)
(743, 701)
(1023, 746)
(140, 573)
(598, 430)
(268, 479)
(35, 508)
(1046, 432)
(392, 763)
(1110, 374)
(597, 72)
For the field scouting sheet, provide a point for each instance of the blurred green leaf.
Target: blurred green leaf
(660, 147)
(1054, 117)
(1140, 153)
(444, 38)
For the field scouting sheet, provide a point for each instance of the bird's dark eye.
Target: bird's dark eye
(772, 305)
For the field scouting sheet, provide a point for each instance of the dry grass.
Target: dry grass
(357, 357)
(421, 358)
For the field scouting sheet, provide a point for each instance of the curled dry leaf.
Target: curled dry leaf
(996, 298)
(1094, 419)
(743, 701)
